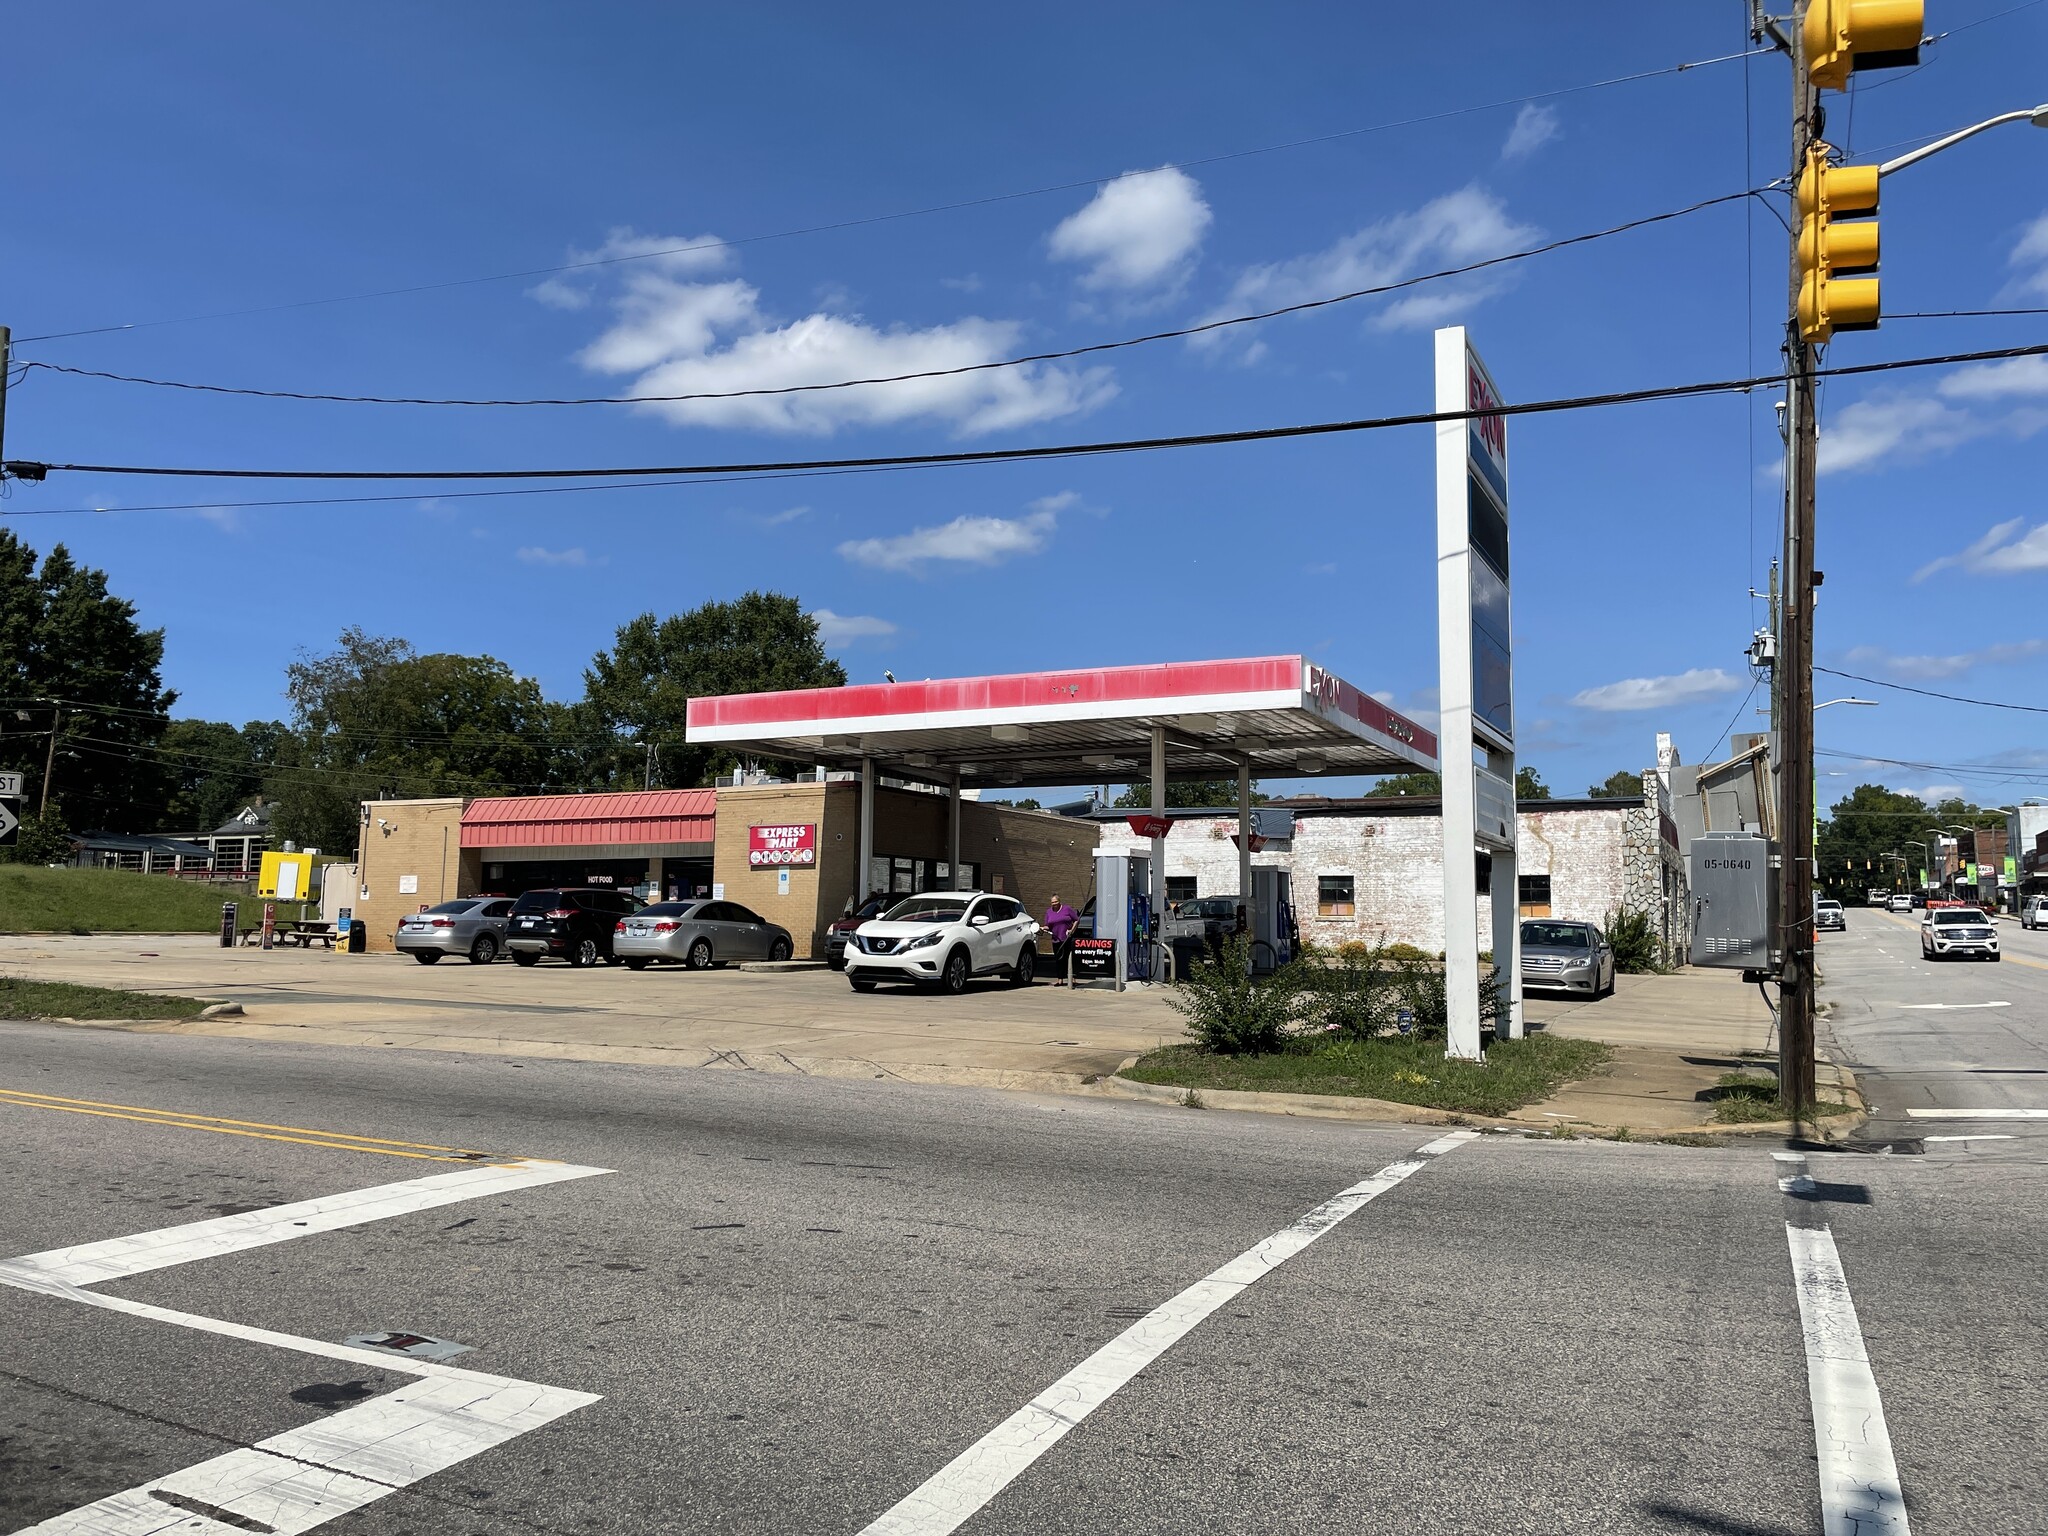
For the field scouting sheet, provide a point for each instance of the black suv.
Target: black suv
(575, 924)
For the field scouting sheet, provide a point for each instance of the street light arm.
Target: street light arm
(2036, 115)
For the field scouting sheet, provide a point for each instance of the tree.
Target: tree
(1529, 785)
(1869, 840)
(1619, 785)
(214, 769)
(373, 717)
(1221, 793)
(636, 695)
(1425, 785)
(74, 660)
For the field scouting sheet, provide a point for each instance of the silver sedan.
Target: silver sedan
(697, 934)
(473, 926)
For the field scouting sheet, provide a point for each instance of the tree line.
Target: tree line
(85, 717)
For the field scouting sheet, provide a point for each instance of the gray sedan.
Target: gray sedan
(473, 926)
(697, 934)
(1569, 957)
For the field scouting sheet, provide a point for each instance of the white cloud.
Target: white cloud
(1140, 231)
(971, 539)
(837, 629)
(1930, 668)
(780, 519)
(684, 338)
(672, 255)
(2024, 377)
(2003, 551)
(1535, 126)
(1668, 692)
(578, 557)
(1892, 429)
(226, 519)
(2030, 257)
(970, 283)
(1454, 230)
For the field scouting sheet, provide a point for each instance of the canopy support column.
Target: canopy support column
(1244, 839)
(953, 833)
(1158, 883)
(863, 884)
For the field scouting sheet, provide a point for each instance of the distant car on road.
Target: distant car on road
(1568, 957)
(1829, 914)
(943, 939)
(1900, 902)
(698, 934)
(2034, 912)
(1950, 931)
(473, 926)
(575, 924)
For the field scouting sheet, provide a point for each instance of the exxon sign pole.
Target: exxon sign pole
(1475, 678)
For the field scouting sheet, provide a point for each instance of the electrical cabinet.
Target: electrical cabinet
(1734, 897)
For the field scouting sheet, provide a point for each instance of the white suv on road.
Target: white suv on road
(942, 939)
(2034, 912)
(1957, 931)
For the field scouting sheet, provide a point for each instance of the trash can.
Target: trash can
(358, 936)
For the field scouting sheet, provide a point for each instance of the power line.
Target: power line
(1931, 693)
(1996, 771)
(1755, 681)
(35, 471)
(886, 218)
(933, 373)
(1956, 314)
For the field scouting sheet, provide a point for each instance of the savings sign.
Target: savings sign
(782, 847)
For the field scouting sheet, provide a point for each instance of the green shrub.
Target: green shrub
(1350, 995)
(1419, 987)
(1404, 952)
(1638, 951)
(1232, 1013)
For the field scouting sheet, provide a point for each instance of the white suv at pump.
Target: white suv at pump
(943, 939)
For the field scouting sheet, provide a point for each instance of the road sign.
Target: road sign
(10, 786)
(9, 825)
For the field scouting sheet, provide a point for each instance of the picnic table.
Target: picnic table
(302, 931)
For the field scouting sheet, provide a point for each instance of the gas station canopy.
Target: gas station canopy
(1288, 717)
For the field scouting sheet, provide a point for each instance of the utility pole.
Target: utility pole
(49, 763)
(1793, 675)
(6, 362)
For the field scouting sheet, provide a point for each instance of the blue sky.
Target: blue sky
(170, 165)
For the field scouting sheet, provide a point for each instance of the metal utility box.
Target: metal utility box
(1733, 896)
(1123, 910)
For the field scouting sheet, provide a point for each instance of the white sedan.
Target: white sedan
(944, 939)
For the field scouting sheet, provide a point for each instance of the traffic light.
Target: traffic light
(1828, 248)
(1845, 35)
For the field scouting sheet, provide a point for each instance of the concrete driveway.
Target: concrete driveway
(798, 1021)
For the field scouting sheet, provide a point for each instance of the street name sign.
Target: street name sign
(10, 786)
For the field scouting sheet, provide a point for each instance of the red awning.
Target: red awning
(572, 821)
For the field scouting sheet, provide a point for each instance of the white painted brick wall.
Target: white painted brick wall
(1396, 867)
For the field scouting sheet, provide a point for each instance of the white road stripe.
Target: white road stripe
(1978, 1114)
(295, 1481)
(93, 1263)
(1986, 1136)
(953, 1494)
(1948, 1007)
(1859, 1481)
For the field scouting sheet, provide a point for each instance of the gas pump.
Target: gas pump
(1123, 910)
(1271, 918)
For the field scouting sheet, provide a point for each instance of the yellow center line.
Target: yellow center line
(339, 1141)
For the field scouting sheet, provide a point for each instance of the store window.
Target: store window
(1179, 888)
(1534, 895)
(1334, 896)
(913, 877)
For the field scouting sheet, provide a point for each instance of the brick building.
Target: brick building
(1370, 869)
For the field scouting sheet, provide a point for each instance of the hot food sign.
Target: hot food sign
(782, 847)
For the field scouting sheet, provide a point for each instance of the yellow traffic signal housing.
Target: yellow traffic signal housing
(1829, 301)
(1844, 35)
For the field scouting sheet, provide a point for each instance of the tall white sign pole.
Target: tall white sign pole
(1475, 679)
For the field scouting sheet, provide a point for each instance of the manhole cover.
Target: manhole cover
(417, 1345)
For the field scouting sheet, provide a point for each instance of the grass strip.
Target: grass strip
(24, 999)
(1748, 1098)
(1515, 1073)
(34, 899)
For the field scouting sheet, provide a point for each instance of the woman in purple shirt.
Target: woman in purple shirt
(1059, 922)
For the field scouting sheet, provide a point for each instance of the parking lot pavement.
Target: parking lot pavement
(1948, 1052)
(805, 1021)
(799, 1304)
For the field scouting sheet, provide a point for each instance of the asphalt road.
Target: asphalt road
(797, 1301)
(1942, 1048)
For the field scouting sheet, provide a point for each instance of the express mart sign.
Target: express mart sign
(782, 847)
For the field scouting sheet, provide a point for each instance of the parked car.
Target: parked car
(1569, 957)
(575, 924)
(698, 934)
(839, 933)
(473, 926)
(1829, 914)
(1918, 901)
(942, 939)
(2034, 912)
(1950, 931)
(1901, 902)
